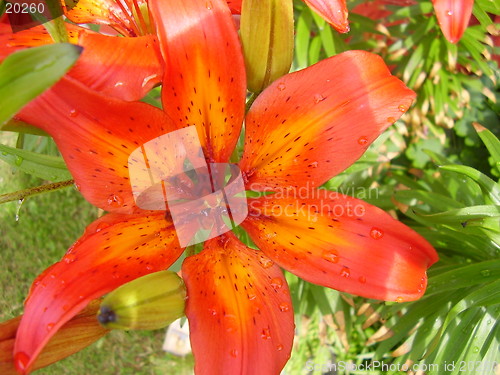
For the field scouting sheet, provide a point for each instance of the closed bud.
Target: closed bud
(267, 35)
(150, 302)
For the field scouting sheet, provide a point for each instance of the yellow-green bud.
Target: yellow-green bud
(150, 302)
(266, 28)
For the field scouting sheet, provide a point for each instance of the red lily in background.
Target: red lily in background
(453, 17)
(301, 131)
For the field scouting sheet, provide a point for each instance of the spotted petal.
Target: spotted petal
(239, 310)
(342, 243)
(312, 124)
(96, 135)
(114, 250)
(204, 82)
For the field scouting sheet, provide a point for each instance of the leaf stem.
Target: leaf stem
(22, 194)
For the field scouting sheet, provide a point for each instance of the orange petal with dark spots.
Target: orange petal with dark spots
(114, 250)
(125, 68)
(239, 310)
(453, 17)
(312, 124)
(333, 11)
(204, 83)
(96, 135)
(341, 242)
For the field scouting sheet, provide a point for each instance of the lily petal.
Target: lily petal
(453, 17)
(204, 82)
(114, 250)
(124, 68)
(333, 11)
(239, 310)
(96, 135)
(234, 6)
(312, 124)
(341, 242)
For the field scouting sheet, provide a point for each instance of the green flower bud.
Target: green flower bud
(266, 28)
(150, 302)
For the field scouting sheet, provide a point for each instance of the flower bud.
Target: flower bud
(267, 35)
(150, 302)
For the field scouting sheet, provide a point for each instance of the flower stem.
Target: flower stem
(22, 194)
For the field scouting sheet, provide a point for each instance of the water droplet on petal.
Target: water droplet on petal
(209, 5)
(279, 347)
(281, 86)
(362, 141)
(19, 160)
(50, 326)
(284, 307)
(276, 283)
(233, 353)
(362, 280)
(266, 334)
(314, 164)
(449, 13)
(73, 113)
(318, 98)
(65, 307)
(399, 299)
(251, 297)
(21, 360)
(148, 79)
(330, 256)
(115, 201)
(391, 120)
(69, 258)
(101, 226)
(265, 262)
(402, 108)
(149, 267)
(118, 84)
(376, 233)
(212, 311)
(345, 272)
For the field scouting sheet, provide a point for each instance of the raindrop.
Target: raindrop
(399, 299)
(284, 307)
(209, 5)
(69, 258)
(402, 108)
(376, 233)
(19, 160)
(281, 86)
(266, 334)
(318, 98)
(485, 273)
(362, 141)
(330, 256)
(212, 311)
(314, 164)
(73, 113)
(476, 349)
(21, 360)
(391, 120)
(65, 307)
(50, 326)
(345, 272)
(233, 353)
(449, 13)
(18, 209)
(362, 280)
(115, 201)
(251, 297)
(279, 348)
(276, 283)
(265, 262)
(118, 84)
(101, 226)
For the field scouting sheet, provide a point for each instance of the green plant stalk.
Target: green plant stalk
(23, 194)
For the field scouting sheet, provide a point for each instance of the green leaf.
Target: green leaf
(26, 74)
(490, 141)
(49, 168)
(463, 214)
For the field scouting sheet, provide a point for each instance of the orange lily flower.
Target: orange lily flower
(453, 17)
(301, 131)
(126, 68)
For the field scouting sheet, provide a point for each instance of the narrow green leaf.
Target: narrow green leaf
(49, 168)
(489, 139)
(26, 74)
